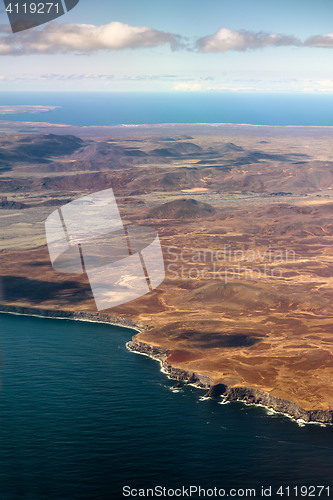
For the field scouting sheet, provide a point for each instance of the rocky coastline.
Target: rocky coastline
(245, 394)
(73, 315)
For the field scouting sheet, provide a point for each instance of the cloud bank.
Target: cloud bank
(226, 39)
(87, 38)
(84, 38)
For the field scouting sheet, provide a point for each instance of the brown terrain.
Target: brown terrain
(245, 219)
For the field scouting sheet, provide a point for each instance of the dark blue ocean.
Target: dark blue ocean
(137, 108)
(81, 417)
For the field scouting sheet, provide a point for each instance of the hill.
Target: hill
(182, 209)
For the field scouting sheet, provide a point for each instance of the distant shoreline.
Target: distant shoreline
(22, 109)
(141, 130)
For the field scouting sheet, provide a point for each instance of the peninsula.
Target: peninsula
(17, 110)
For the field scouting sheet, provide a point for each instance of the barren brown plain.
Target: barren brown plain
(244, 215)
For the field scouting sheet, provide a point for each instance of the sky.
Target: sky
(259, 46)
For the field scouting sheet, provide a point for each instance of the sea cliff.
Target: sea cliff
(246, 394)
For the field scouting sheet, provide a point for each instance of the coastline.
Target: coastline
(246, 395)
(86, 316)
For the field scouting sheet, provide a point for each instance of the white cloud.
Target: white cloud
(5, 49)
(269, 85)
(325, 85)
(74, 76)
(321, 41)
(84, 38)
(189, 86)
(227, 39)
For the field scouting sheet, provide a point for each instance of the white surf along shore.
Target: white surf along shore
(246, 395)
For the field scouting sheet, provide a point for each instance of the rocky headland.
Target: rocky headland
(244, 394)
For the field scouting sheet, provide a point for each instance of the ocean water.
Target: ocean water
(81, 417)
(137, 108)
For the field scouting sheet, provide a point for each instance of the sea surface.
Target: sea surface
(137, 108)
(81, 417)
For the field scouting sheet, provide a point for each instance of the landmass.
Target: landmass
(244, 216)
(18, 110)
